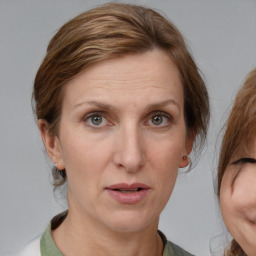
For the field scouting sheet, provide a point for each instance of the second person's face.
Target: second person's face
(122, 139)
(238, 201)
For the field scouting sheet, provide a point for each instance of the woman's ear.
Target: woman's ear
(51, 143)
(188, 148)
(190, 141)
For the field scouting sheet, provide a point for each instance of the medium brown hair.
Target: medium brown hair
(110, 31)
(238, 137)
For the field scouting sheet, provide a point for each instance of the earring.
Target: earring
(61, 172)
(187, 158)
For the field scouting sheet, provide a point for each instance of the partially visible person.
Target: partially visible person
(237, 171)
(120, 103)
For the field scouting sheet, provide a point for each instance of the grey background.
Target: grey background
(222, 37)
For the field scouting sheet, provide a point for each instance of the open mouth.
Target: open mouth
(128, 194)
(129, 190)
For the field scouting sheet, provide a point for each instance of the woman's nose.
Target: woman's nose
(129, 149)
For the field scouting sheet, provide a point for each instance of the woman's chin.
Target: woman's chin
(129, 222)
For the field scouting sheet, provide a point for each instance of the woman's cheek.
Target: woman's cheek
(244, 193)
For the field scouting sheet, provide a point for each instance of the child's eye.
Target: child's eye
(239, 163)
(159, 119)
(244, 160)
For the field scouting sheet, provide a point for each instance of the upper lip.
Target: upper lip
(128, 186)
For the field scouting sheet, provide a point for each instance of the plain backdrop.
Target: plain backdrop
(221, 35)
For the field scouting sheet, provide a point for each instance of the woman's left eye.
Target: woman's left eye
(96, 120)
(159, 119)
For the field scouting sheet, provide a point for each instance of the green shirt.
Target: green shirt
(48, 247)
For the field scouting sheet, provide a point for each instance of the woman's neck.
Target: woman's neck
(82, 237)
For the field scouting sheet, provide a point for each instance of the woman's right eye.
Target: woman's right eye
(96, 120)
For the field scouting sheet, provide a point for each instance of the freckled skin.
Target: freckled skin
(238, 205)
(126, 148)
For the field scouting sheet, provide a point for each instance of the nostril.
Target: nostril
(252, 222)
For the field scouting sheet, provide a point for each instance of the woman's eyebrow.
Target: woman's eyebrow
(95, 104)
(164, 103)
(110, 107)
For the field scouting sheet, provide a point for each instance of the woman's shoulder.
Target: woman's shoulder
(172, 249)
(31, 249)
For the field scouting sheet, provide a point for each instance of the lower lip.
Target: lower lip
(130, 197)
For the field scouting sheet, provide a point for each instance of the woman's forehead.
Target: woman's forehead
(131, 67)
(138, 76)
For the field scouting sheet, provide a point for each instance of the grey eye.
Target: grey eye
(96, 120)
(157, 120)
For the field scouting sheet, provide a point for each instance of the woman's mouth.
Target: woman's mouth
(128, 190)
(128, 194)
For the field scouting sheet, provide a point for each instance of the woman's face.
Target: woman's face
(238, 202)
(122, 139)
